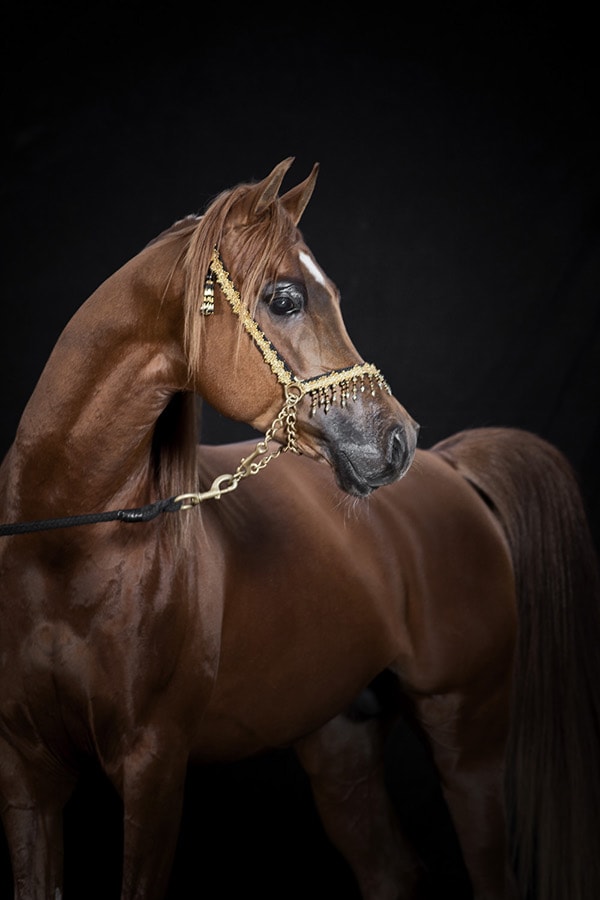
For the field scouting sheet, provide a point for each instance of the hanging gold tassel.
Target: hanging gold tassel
(207, 306)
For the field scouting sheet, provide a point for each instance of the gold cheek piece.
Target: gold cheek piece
(323, 390)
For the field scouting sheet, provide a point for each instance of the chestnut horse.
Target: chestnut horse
(272, 618)
(139, 636)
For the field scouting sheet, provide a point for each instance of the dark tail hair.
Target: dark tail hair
(552, 781)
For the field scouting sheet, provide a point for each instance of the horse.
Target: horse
(314, 597)
(134, 629)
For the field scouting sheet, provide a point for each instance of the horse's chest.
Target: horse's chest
(92, 645)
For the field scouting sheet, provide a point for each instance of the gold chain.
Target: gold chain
(251, 465)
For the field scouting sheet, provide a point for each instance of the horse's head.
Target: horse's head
(275, 338)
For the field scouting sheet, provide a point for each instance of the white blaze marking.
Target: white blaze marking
(312, 267)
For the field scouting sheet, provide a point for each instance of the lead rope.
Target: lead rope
(223, 484)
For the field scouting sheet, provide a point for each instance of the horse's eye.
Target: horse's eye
(285, 300)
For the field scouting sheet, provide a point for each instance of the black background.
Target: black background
(456, 209)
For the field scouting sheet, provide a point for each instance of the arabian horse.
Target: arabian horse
(127, 618)
(308, 591)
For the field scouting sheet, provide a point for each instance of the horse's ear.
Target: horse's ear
(265, 192)
(296, 199)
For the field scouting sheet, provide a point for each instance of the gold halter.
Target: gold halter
(322, 389)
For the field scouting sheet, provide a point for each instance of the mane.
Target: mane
(262, 246)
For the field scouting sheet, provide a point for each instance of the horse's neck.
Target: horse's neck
(85, 437)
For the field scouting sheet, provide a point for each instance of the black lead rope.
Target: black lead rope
(140, 514)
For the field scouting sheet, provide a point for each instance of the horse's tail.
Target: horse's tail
(552, 779)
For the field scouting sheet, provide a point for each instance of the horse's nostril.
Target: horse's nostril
(401, 443)
(397, 444)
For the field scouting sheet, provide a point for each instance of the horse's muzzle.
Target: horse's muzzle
(362, 468)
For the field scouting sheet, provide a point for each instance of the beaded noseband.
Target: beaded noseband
(323, 389)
